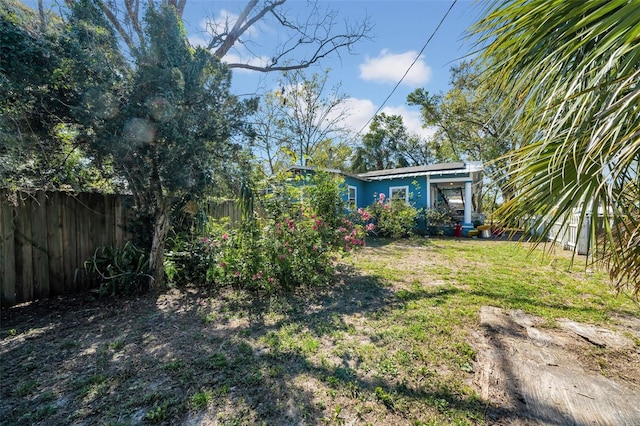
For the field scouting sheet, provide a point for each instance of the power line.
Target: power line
(408, 69)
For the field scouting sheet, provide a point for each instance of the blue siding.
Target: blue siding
(367, 192)
(417, 193)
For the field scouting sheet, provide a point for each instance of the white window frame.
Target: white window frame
(355, 197)
(404, 188)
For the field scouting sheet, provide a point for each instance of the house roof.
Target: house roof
(403, 172)
(432, 169)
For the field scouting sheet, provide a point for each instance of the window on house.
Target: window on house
(352, 198)
(399, 193)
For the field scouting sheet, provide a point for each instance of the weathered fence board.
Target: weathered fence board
(8, 253)
(45, 238)
(40, 245)
(55, 244)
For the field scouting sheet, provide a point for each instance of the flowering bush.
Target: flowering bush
(297, 251)
(391, 218)
(294, 242)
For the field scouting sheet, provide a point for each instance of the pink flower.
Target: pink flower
(360, 210)
(382, 196)
(204, 240)
(386, 206)
(225, 237)
(342, 229)
(271, 279)
(237, 274)
(281, 257)
(369, 227)
(347, 237)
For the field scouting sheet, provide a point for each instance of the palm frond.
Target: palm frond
(574, 71)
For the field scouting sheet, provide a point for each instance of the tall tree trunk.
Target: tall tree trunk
(160, 232)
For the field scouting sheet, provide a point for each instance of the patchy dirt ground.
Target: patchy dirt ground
(334, 356)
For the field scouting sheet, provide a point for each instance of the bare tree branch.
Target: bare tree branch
(316, 29)
(115, 22)
(132, 11)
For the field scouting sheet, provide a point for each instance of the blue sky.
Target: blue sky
(368, 74)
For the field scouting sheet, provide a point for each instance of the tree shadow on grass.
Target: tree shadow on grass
(198, 356)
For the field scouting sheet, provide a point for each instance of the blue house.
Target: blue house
(446, 185)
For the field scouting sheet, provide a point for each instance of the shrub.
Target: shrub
(294, 241)
(392, 218)
(437, 217)
(120, 270)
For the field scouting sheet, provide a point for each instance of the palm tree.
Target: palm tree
(573, 71)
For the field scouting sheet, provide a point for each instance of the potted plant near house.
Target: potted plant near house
(438, 222)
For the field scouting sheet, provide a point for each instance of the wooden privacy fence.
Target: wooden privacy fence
(47, 236)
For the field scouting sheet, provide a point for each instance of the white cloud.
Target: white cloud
(389, 68)
(358, 111)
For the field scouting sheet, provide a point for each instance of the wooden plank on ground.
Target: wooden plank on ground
(8, 263)
(55, 242)
(40, 249)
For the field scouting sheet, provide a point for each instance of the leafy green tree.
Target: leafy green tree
(469, 127)
(387, 144)
(50, 73)
(571, 72)
(331, 154)
(176, 117)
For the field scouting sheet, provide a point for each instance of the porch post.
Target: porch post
(468, 203)
(428, 192)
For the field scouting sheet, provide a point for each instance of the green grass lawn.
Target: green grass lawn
(390, 344)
